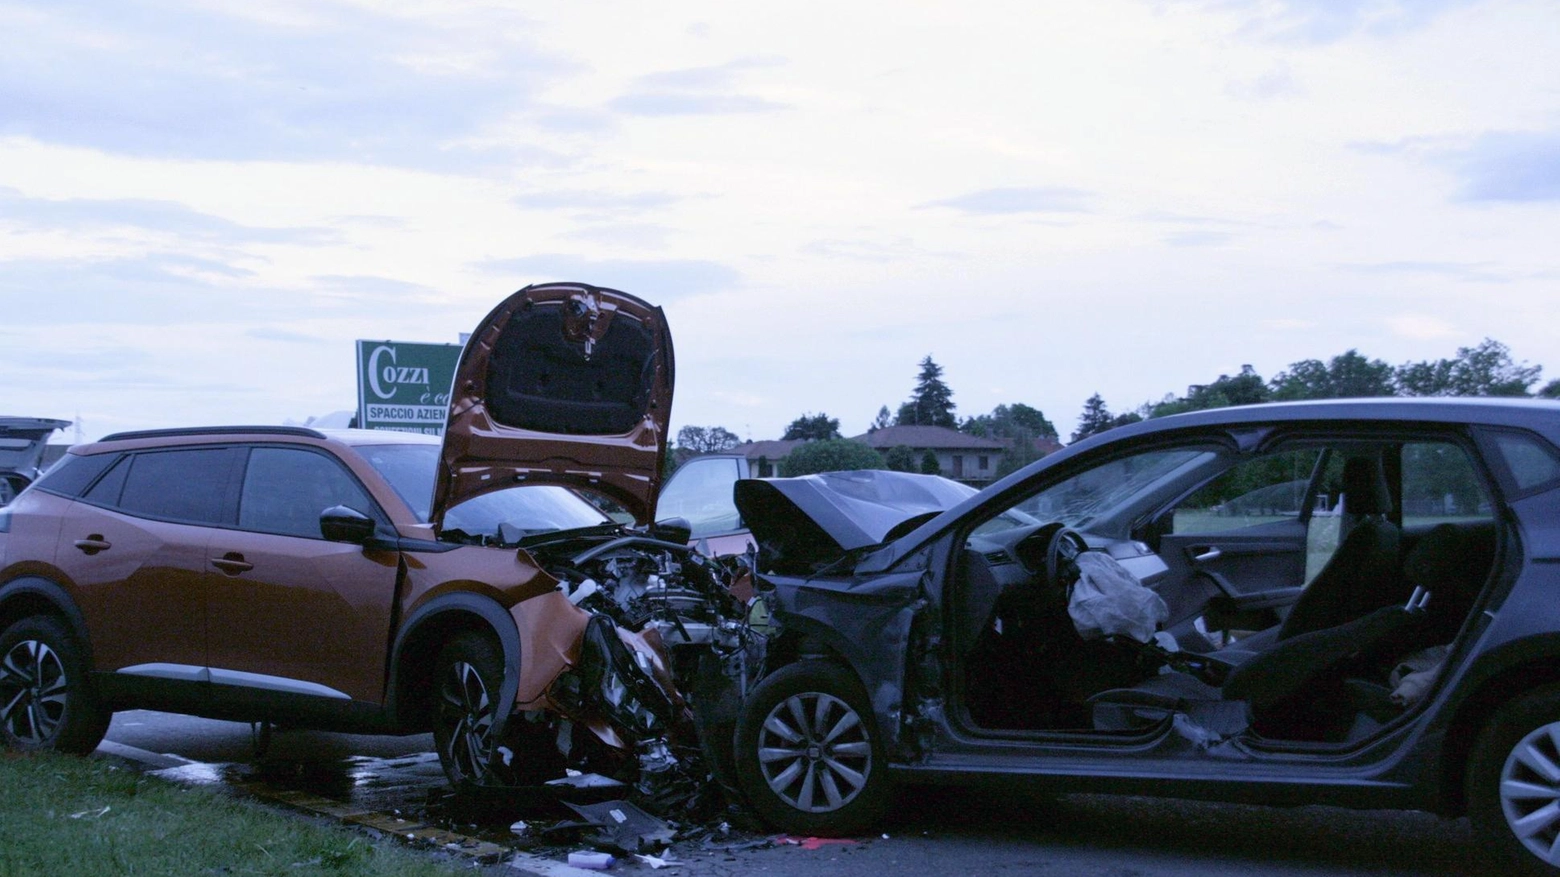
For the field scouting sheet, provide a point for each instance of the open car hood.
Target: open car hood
(563, 383)
(802, 522)
(22, 442)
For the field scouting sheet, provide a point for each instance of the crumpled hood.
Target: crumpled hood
(800, 523)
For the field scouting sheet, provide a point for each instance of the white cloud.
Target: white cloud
(1422, 327)
(1059, 198)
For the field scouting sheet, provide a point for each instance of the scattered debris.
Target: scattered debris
(624, 827)
(656, 863)
(591, 860)
(90, 814)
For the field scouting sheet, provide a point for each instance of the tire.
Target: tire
(1513, 787)
(46, 697)
(808, 756)
(467, 676)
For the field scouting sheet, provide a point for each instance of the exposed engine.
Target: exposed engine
(640, 588)
(644, 583)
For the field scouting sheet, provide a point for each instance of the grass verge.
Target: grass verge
(66, 815)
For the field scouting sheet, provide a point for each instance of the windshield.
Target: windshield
(533, 508)
(1098, 491)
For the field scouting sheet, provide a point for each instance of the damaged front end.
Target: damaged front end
(645, 633)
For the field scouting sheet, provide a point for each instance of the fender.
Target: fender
(33, 589)
(854, 659)
(444, 608)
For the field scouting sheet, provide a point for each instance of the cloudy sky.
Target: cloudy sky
(203, 203)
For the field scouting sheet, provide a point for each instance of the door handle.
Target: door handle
(232, 563)
(93, 544)
(1204, 554)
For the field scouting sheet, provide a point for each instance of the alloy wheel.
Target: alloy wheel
(814, 752)
(1530, 792)
(33, 691)
(467, 710)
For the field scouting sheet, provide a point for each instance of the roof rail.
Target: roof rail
(302, 431)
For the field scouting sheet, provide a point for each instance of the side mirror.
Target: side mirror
(343, 524)
(675, 530)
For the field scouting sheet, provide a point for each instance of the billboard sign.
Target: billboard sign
(405, 386)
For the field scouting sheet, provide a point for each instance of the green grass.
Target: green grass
(53, 821)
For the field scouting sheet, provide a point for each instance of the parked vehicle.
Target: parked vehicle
(385, 582)
(22, 443)
(1380, 630)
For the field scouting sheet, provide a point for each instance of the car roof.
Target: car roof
(209, 434)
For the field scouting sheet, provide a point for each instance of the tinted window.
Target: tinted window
(1441, 486)
(71, 475)
(285, 489)
(183, 485)
(1531, 462)
(108, 488)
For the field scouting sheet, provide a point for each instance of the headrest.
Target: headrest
(1449, 558)
(1365, 487)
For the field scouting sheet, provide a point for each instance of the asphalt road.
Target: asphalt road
(942, 831)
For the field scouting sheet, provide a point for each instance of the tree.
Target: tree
(930, 464)
(884, 419)
(1096, 418)
(817, 427)
(1485, 370)
(706, 439)
(830, 455)
(900, 458)
(1347, 376)
(1006, 421)
(1246, 388)
(1551, 390)
(931, 404)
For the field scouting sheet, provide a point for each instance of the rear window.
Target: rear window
(73, 473)
(1531, 462)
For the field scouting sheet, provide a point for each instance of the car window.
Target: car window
(71, 475)
(1531, 461)
(1441, 486)
(182, 485)
(1252, 492)
(1112, 490)
(523, 510)
(700, 491)
(285, 489)
(107, 490)
(529, 508)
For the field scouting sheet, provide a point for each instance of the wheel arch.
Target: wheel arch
(33, 595)
(806, 640)
(1508, 673)
(425, 632)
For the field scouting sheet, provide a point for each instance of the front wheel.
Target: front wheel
(46, 700)
(807, 753)
(1514, 783)
(467, 677)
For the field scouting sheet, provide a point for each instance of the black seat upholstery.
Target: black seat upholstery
(1299, 687)
(1364, 574)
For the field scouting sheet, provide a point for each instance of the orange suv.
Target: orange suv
(381, 581)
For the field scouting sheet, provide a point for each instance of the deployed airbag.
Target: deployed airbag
(1108, 600)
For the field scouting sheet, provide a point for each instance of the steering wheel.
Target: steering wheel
(1061, 558)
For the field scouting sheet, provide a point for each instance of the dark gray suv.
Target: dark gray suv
(1352, 603)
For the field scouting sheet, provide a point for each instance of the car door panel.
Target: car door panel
(140, 586)
(310, 616)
